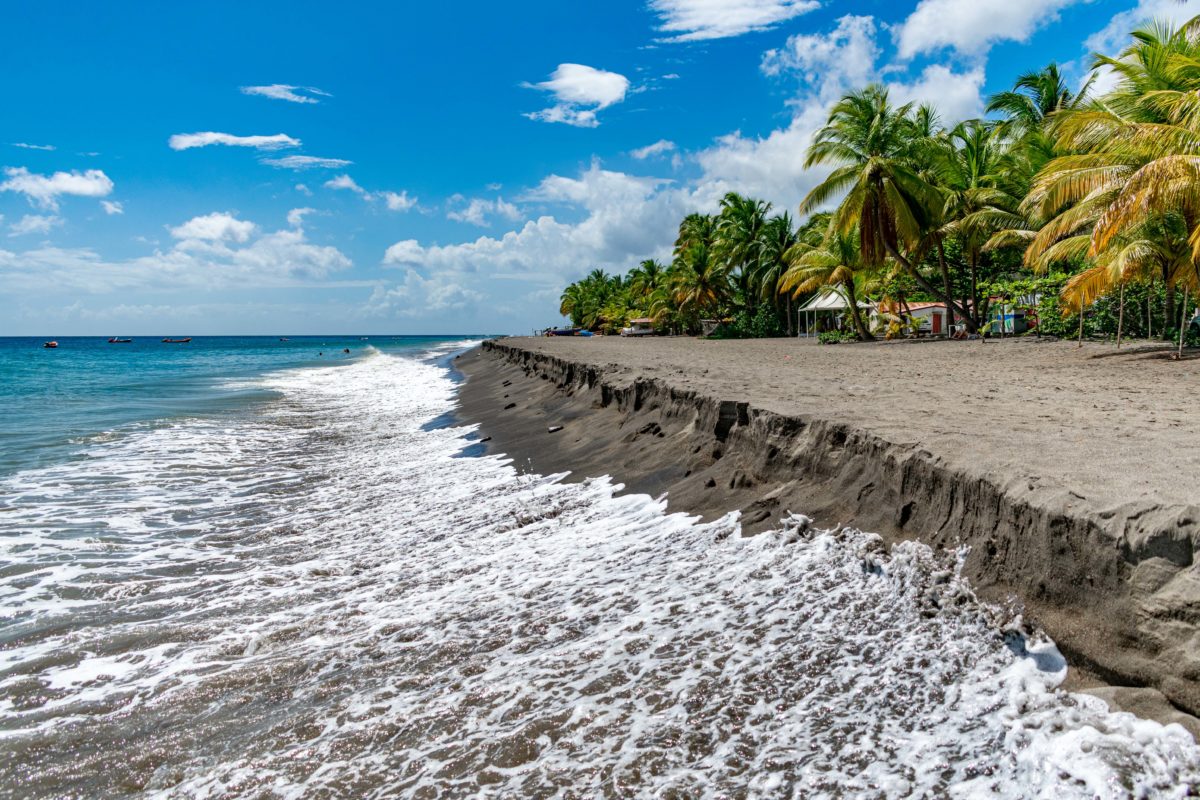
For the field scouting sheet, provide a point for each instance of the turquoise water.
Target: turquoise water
(55, 399)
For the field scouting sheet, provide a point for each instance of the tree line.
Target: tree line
(1085, 200)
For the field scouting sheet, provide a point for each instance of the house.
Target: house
(930, 318)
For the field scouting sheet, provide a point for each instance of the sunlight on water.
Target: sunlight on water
(323, 599)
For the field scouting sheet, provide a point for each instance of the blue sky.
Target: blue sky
(436, 168)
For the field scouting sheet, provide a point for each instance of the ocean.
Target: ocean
(246, 567)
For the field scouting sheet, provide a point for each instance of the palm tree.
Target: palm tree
(1131, 166)
(893, 208)
(1034, 97)
(778, 237)
(698, 281)
(835, 263)
(738, 237)
(646, 277)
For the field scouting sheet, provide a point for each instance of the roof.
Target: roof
(830, 300)
(643, 320)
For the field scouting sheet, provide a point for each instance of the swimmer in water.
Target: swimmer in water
(345, 349)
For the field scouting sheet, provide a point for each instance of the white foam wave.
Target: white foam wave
(324, 599)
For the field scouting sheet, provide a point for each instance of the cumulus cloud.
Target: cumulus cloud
(625, 219)
(656, 149)
(395, 201)
(300, 163)
(581, 91)
(479, 211)
(345, 182)
(971, 27)
(27, 146)
(283, 91)
(829, 64)
(1113, 37)
(418, 296)
(296, 216)
(34, 223)
(697, 20)
(44, 190)
(956, 95)
(215, 227)
(224, 259)
(398, 201)
(186, 141)
(112, 207)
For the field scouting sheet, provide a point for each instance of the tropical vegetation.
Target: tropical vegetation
(1081, 206)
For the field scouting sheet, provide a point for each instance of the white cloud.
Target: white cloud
(44, 190)
(394, 201)
(186, 141)
(581, 91)
(215, 227)
(656, 149)
(345, 182)
(296, 216)
(1111, 39)
(696, 20)
(299, 163)
(283, 91)
(398, 202)
(419, 296)
(829, 64)
(304, 190)
(626, 218)
(956, 95)
(971, 27)
(27, 146)
(478, 210)
(279, 259)
(112, 207)
(33, 223)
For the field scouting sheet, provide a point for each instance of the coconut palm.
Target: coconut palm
(738, 238)
(698, 281)
(870, 144)
(836, 263)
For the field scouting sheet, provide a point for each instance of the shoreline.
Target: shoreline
(1110, 579)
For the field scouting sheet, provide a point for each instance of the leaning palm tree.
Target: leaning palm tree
(869, 143)
(836, 263)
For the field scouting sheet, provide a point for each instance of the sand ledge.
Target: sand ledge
(1106, 569)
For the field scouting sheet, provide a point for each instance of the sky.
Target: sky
(403, 168)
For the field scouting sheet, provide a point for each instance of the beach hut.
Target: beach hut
(929, 318)
(829, 302)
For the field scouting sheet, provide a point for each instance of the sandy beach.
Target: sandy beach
(1069, 472)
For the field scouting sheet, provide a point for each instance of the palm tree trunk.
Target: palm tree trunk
(864, 335)
(945, 297)
(1183, 322)
(1169, 312)
(975, 292)
(945, 278)
(1121, 316)
(1080, 344)
(789, 313)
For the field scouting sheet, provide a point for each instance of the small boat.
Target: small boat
(284, 339)
(50, 345)
(115, 340)
(563, 332)
(177, 341)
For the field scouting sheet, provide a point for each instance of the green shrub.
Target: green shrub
(836, 337)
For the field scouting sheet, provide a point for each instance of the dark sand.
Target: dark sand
(1089, 456)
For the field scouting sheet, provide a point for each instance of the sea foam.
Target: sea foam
(324, 598)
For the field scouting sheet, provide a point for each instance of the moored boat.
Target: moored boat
(117, 340)
(50, 345)
(177, 341)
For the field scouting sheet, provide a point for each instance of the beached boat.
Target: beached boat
(50, 345)
(563, 332)
(177, 341)
(115, 340)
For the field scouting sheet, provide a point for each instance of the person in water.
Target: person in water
(345, 349)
